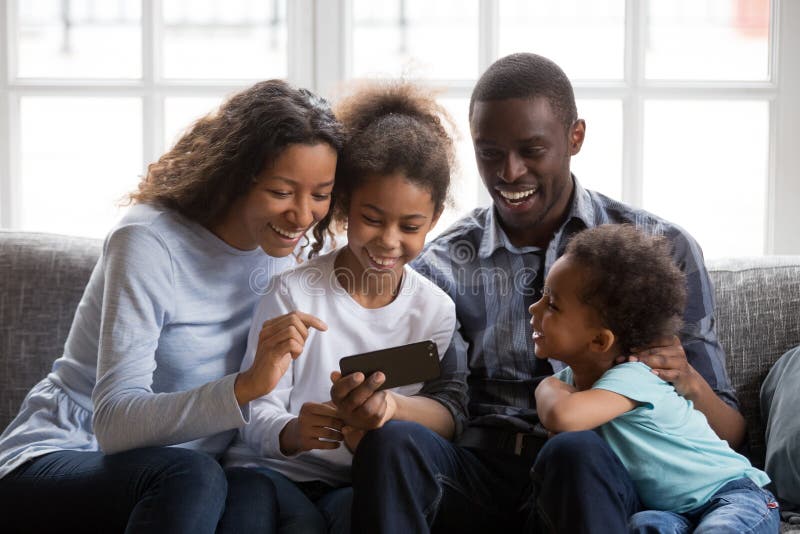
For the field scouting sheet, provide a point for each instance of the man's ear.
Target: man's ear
(603, 340)
(577, 133)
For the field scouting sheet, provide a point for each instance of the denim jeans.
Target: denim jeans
(408, 479)
(306, 512)
(739, 507)
(155, 489)
(581, 486)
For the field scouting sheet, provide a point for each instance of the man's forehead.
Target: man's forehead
(510, 105)
(519, 120)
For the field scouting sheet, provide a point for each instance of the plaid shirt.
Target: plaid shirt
(493, 282)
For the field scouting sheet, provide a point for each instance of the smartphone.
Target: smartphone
(402, 365)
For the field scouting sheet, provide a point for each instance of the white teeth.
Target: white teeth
(285, 233)
(536, 334)
(508, 195)
(383, 262)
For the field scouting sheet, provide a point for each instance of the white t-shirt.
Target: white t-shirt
(420, 311)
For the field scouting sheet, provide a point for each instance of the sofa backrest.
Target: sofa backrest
(758, 320)
(42, 277)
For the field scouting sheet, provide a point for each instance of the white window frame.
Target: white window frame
(320, 41)
(152, 88)
(782, 210)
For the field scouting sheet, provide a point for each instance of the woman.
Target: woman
(152, 357)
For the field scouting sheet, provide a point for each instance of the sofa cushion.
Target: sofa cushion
(758, 319)
(42, 277)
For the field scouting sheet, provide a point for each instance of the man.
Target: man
(525, 129)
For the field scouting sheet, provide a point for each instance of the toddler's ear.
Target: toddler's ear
(603, 340)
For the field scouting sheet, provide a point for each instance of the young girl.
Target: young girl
(390, 190)
(154, 352)
(614, 290)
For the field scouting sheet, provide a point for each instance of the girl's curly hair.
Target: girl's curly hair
(632, 282)
(217, 159)
(393, 127)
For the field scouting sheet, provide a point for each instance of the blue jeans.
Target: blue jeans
(581, 486)
(305, 513)
(406, 478)
(155, 489)
(739, 507)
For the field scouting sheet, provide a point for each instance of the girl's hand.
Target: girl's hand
(359, 402)
(316, 427)
(280, 341)
(352, 437)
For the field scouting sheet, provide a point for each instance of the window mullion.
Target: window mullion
(488, 39)
(332, 32)
(488, 33)
(300, 16)
(783, 237)
(152, 99)
(9, 120)
(633, 105)
(5, 130)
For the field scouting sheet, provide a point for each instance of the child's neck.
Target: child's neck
(369, 289)
(588, 370)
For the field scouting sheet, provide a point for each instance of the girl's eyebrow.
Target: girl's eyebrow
(411, 216)
(294, 182)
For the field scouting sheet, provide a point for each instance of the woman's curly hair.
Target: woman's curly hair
(217, 159)
(632, 282)
(393, 127)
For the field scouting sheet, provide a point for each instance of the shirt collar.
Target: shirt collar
(582, 207)
(494, 237)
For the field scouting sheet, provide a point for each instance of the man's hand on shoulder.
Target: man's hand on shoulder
(667, 359)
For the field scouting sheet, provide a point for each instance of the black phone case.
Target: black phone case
(402, 365)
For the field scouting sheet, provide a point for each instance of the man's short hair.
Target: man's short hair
(527, 75)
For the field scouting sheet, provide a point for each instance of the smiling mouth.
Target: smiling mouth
(537, 335)
(293, 236)
(382, 262)
(517, 197)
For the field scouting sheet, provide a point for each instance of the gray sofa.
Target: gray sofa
(42, 277)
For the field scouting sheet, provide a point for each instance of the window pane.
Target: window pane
(235, 39)
(598, 165)
(417, 38)
(181, 112)
(705, 168)
(466, 182)
(80, 156)
(79, 39)
(585, 37)
(707, 40)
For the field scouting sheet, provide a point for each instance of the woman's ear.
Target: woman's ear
(436, 218)
(603, 340)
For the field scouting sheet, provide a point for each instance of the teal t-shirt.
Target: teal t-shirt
(675, 459)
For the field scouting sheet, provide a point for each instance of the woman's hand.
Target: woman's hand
(280, 341)
(316, 427)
